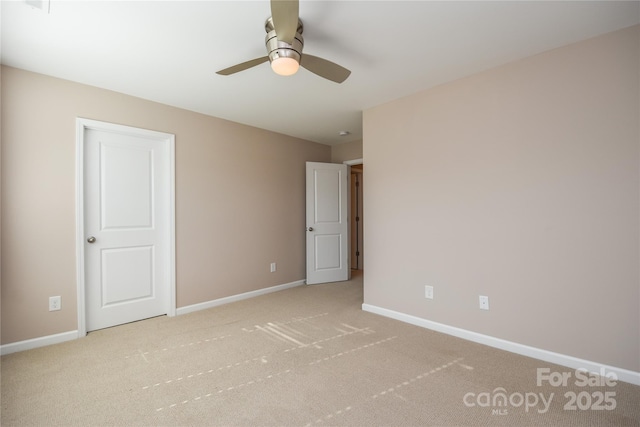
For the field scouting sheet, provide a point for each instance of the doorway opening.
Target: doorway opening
(356, 215)
(357, 253)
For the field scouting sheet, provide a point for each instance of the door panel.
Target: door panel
(127, 275)
(126, 193)
(327, 196)
(328, 251)
(327, 223)
(126, 186)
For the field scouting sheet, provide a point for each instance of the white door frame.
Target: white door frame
(81, 126)
(353, 162)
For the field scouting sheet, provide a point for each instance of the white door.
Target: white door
(327, 223)
(127, 201)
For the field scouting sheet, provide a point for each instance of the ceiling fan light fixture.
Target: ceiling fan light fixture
(284, 57)
(285, 53)
(285, 66)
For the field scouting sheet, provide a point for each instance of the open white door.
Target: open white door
(327, 223)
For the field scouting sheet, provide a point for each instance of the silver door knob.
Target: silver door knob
(91, 239)
(310, 228)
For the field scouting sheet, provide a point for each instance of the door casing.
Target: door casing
(81, 126)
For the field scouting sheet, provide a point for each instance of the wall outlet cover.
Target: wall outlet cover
(484, 302)
(55, 303)
(428, 292)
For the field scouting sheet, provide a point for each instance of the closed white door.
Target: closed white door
(127, 230)
(327, 223)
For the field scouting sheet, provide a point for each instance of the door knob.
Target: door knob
(91, 239)
(310, 228)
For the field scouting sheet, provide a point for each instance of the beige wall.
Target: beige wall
(346, 151)
(520, 183)
(239, 199)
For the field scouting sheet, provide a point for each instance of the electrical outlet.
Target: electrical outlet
(428, 292)
(55, 303)
(484, 302)
(273, 267)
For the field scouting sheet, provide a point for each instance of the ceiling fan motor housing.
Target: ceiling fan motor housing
(279, 49)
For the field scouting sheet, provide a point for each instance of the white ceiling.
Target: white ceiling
(168, 51)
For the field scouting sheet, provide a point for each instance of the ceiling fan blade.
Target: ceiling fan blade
(323, 68)
(284, 14)
(243, 66)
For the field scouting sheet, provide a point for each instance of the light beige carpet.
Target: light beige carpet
(307, 356)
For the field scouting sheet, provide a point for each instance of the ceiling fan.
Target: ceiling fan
(284, 47)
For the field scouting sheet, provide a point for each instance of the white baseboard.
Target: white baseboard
(234, 298)
(38, 342)
(72, 335)
(536, 353)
